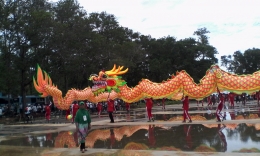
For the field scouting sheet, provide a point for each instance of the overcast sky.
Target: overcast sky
(233, 24)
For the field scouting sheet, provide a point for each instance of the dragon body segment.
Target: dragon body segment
(110, 84)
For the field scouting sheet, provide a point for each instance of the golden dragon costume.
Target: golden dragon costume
(110, 83)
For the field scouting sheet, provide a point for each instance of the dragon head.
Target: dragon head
(108, 80)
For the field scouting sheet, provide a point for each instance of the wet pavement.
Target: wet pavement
(133, 135)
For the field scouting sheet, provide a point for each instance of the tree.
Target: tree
(242, 63)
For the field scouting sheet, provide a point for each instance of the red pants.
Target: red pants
(73, 117)
(232, 103)
(218, 111)
(186, 115)
(149, 113)
(48, 116)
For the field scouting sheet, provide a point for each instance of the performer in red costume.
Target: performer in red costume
(151, 136)
(220, 107)
(209, 101)
(258, 97)
(231, 97)
(163, 103)
(185, 101)
(149, 106)
(75, 108)
(99, 108)
(48, 112)
(67, 113)
(127, 106)
(200, 101)
(110, 109)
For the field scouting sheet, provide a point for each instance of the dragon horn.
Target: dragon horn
(113, 69)
(122, 72)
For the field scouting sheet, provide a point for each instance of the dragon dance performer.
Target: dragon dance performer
(67, 113)
(127, 106)
(258, 97)
(231, 97)
(185, 101)
(200, 101)
(149, 106)
(99, 108)
(75, 108)
(209, 101)
(163, 103)
(48, 112)
(110, 109)
(220, 107)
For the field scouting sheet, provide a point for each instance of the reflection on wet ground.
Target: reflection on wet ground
(232, 115)
(167, 133)
(195, 137)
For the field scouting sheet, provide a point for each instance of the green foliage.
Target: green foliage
(242, 63)
(70, 45)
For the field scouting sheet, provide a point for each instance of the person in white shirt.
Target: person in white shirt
(34, 109)
(39, 108)
(28, 109)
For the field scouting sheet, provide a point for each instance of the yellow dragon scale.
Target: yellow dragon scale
(173, 88)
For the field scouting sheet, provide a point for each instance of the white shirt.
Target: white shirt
(34, 108)
(28, 110)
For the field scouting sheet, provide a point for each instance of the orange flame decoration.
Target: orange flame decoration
(173, 88)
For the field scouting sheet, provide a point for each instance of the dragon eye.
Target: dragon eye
(104, 76)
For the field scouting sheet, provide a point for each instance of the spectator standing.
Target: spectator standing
(34, 110)
(39, 108)
(1, 112)
(83, 125)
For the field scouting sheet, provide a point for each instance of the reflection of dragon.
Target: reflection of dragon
(173, 88)
(65, 138)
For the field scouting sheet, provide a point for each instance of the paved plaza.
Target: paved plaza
(137, 117)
